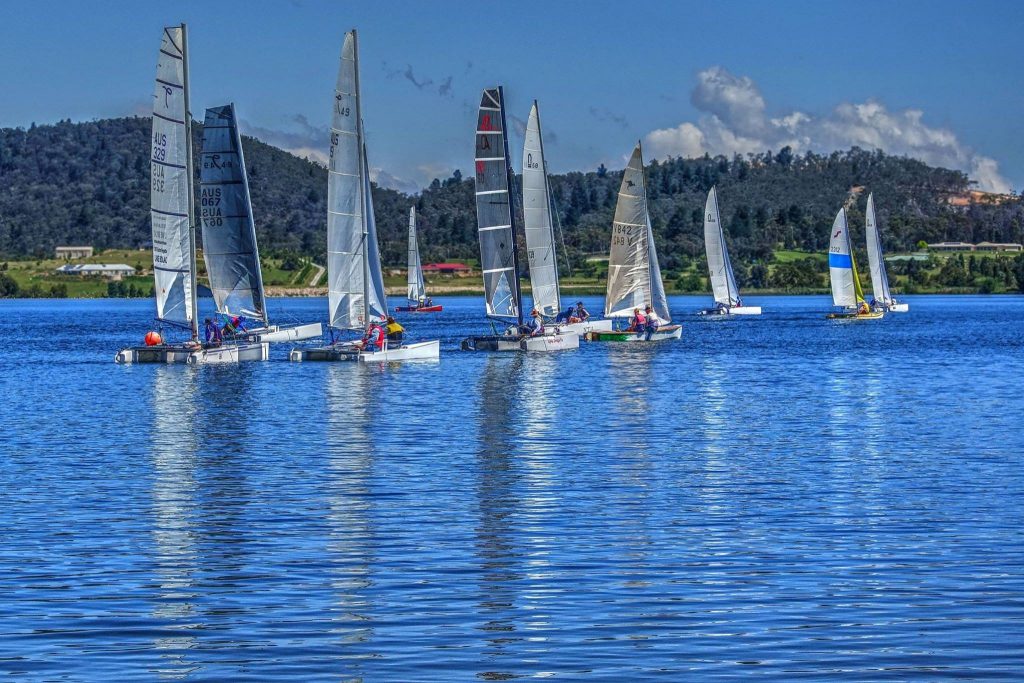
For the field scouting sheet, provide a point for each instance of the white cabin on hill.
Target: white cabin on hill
(72, 253)
(114, 271)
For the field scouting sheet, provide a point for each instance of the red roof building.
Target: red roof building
(446, 268)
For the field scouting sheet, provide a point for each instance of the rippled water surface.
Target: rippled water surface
(783, 497)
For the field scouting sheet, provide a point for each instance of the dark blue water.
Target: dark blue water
(784, 497)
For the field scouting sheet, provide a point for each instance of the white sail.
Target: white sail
(229, 233)
(416, 290)
(723, 283)
(841, 268)
(171, 185)
(373, 268)
(345, 199)
(879, 278)
(634, 277)
(540, 236)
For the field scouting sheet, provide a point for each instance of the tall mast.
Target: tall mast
(510, 183)
(364, 186)
(191, 189)
(262, 303)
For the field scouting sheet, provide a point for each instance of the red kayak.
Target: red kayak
(419, 309)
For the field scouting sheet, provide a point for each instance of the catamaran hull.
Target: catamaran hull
(230, 353)
(429, 350)
(421, 309)
(873, 315)
(276, 333)
(735, 310)
(547, 342)
(898, 308)
(584, 327)
(154, 354)
(663, 333)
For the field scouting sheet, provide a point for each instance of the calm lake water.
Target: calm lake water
(784, 497)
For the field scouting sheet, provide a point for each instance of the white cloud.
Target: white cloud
(734, 121)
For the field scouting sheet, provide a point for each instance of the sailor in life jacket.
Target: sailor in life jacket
(374, 337)
(638, 323)
(536, 325)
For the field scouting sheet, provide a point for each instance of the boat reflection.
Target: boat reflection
(173, 449)
(498, 478)
(348, 395)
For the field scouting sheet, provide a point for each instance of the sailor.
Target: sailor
(211, 332)
(374, 337)
(652, 322)
(582, 314)
(234, 325)
(536, 326)
(394, 330)
(565, 316)
(638, 323)
(863, 308)
(428, 302)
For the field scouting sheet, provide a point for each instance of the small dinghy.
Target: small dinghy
(416, 291)
(847, 293)
(496, 231)
(723, 282)
(882, 297)
(356, 299)
(634, 276)
(172, 215)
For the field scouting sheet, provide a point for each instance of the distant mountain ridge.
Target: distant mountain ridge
(88, 183)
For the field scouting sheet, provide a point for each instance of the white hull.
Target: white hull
(229, 353)
(551, 342)
(735, 310)
(898, 308)
(276, 333)
(581, 329)
(430, 350)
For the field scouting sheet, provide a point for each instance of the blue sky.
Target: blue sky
(941, 81)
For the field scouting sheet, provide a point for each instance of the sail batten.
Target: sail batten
(634, 276)
(495, 225)
(229, 232)
(723, 281)
(876, 264)
(539, 227)
(171, 186)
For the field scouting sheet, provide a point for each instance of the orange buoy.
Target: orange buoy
(153, 339)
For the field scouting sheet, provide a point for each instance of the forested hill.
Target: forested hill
(88, 183)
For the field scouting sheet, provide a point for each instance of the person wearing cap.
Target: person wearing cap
(652, 322)
(582, 315)
(394, 330)
(565, 316)
(536, 326)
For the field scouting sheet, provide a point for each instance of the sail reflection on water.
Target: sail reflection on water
(173, 448)
(349, 468)
(498, 480)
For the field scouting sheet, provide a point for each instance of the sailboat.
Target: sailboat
(356, 279)
(229, 232)
(496, 231)
(842, 269)
(416, 290)
(172, 215)
(541, 250)
(634, 276)
(723, 282)
(883, 299)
